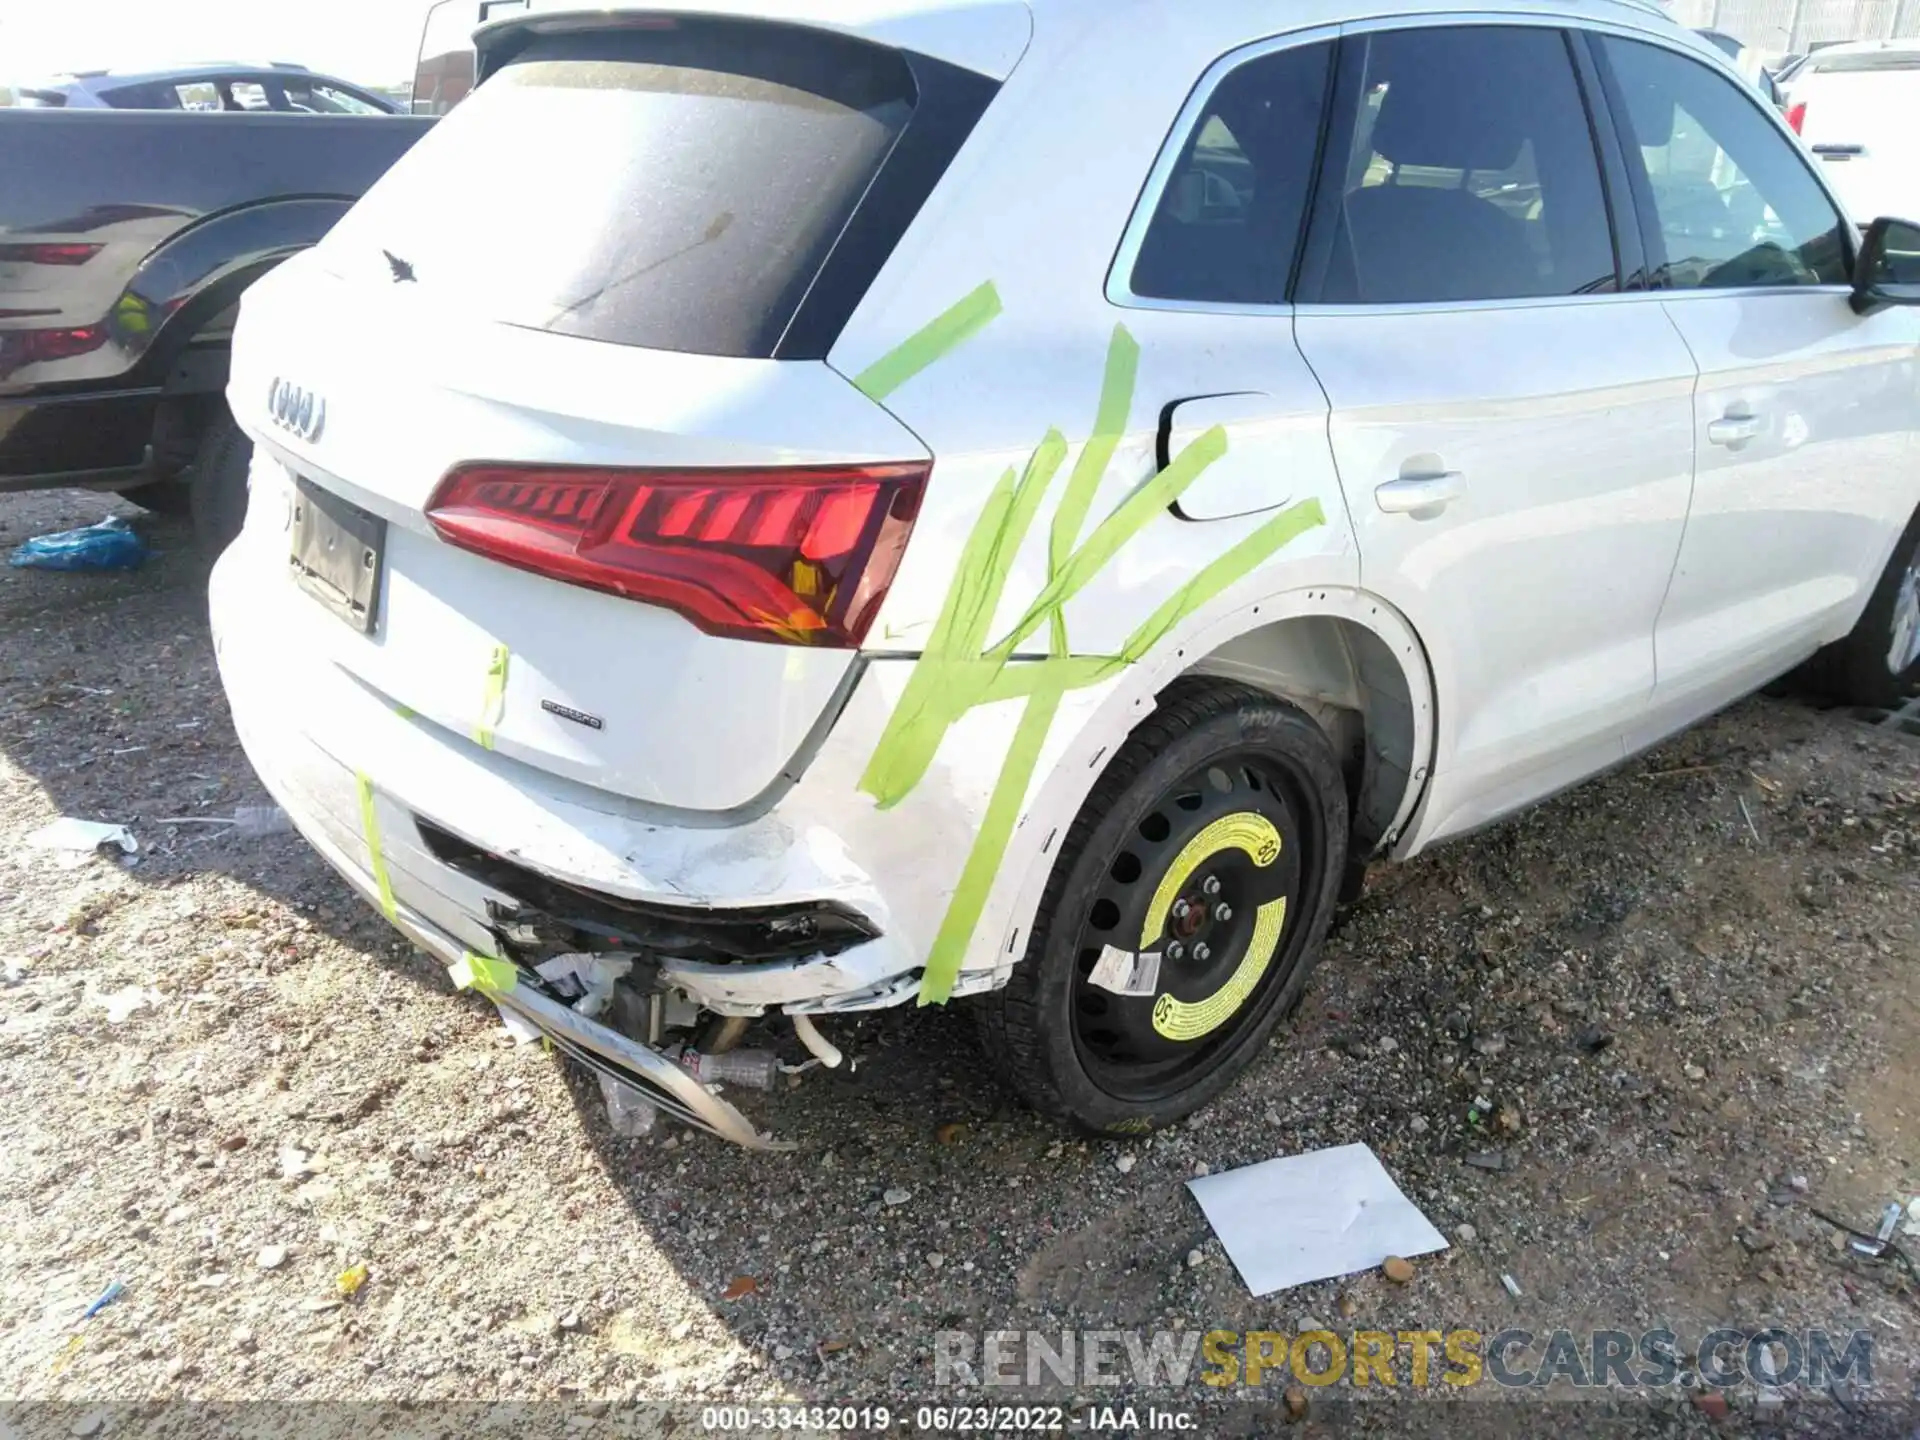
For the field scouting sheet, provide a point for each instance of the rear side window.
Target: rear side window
(1228, 220)
(1471, 173)
(678, 186)
(1733, 200)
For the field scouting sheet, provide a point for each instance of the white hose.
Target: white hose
(821, 1048)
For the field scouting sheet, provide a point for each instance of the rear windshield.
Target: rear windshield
(677, 186)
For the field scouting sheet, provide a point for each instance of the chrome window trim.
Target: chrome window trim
(1119, 286)
(1540, 302)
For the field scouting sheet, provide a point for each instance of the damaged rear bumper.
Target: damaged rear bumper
(597, 1046)
(357, 777)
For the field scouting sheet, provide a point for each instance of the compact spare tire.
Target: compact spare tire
(1185, 909)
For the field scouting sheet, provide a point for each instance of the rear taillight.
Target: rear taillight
(1797, 117)
(802, 556)
(49, 254)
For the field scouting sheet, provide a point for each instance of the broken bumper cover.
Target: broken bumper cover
(356, 775)
(597, 1046)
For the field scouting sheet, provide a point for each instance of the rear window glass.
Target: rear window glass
(677, 187)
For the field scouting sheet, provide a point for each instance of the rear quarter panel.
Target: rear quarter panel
(1035, 206)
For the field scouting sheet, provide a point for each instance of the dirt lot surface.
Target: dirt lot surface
(1675, 1008)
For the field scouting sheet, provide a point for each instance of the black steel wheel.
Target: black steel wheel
(1184, 911)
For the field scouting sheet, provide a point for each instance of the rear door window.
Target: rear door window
(248, 95)
(148, 97)
(1471, 172)
(1228, 219)
(315, 97)
(678, 186)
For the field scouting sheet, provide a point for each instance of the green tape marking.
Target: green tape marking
(493, 705)
(483, 973)
(945, 332)
(370, 828)
(1110, 421)
(958, 670)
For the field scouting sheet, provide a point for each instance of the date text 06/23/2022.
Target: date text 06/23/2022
(946, 1419)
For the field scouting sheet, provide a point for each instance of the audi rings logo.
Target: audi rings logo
(296, 411)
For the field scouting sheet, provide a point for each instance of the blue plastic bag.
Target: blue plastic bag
(110, 545)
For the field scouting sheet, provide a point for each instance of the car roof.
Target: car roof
(1861, 47)
(112, 79)
(989, 36)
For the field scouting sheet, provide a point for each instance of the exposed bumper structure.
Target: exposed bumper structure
(597, 1046)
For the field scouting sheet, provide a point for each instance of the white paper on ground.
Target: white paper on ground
(68, 833)
(1302, 1218)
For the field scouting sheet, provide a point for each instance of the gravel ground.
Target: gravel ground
(1675, 1007)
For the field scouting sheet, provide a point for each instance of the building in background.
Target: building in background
(1779, 28)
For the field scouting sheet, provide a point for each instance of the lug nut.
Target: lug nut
(1223, 912)
(1180, 909)
(1211, 885)
(1176, 952)
(1202, 953)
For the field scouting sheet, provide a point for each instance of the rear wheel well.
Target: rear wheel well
(189, 363)
(1346, 677)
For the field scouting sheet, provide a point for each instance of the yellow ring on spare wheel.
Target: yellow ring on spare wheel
(1255, 835)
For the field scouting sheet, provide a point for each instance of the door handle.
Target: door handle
(1733, 429)
(1415, 494)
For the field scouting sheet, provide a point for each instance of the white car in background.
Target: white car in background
(1021, 501)
(1858, 108)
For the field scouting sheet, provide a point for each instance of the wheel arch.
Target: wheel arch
(1346, 657)
(1348, 679)
(193, 280)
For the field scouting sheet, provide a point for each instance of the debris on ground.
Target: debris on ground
(1875, 1244)
(121, 1004)
(630, 1114)
(1300, 1218)
(112, 1293)
(110, 545)
(82, 836)
(249, 822)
